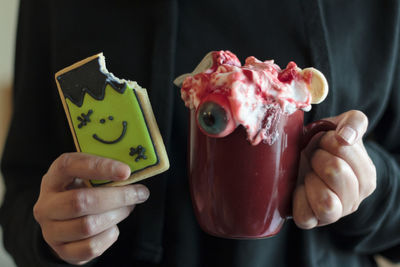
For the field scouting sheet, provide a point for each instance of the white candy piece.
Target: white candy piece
(318, 87)
(205, 64)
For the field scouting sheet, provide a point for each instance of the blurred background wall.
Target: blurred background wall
(8, 12)
(8, 19)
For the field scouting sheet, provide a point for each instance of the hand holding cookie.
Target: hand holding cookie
(80, 223)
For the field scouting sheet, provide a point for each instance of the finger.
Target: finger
(351, 126)
(339, 177)
(69, 166)
(304, 167)
(303, 215)
(313, 145)
(357, 158)
(85, 250)
(324, 203)
(80, 202)
(86, 226)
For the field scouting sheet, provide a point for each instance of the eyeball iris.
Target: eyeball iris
(212, 118)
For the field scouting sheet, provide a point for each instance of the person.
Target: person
(345, 208)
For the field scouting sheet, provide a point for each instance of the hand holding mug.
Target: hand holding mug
(336, 173)
(80, 223)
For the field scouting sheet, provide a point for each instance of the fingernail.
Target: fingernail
(348, 134)
(143, 194)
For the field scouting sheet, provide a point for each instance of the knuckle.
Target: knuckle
(64, 252)
(37, 212)
(47, 233)
(335, 168)
(88, 226)
(328, 209)
(326, 205)
(115, 235)
(331, 171)
(85, 254)
(98, 164)
(373, 170)
(93, 249)
(368, 187)
(372, 186)
(354, 208)
(61, 251)
(64, 161)
(338, 164)
(96, 247)
(373, 178)
(303, 220)
(79, 202)
(80, 263)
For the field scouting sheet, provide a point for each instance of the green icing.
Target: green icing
(123, 108)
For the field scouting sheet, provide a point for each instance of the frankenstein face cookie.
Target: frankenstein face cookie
(112, 118)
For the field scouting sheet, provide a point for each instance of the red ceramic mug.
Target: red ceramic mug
(243, 191)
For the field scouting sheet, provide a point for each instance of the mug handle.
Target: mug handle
(313, 128)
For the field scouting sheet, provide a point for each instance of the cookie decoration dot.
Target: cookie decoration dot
(84, 118)
(139, 152)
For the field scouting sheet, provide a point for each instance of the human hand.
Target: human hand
(80, 223)
(336, 174)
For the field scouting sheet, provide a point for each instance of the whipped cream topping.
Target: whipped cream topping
(258, 92)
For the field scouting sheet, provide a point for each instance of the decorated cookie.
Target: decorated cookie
(112, 118)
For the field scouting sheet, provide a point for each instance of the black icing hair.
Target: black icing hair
(87, 78)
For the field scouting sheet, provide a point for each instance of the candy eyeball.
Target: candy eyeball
(214, 117)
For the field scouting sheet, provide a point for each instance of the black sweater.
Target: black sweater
(354, 43)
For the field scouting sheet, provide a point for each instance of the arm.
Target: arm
(364, 224)
(365, 76)
(375, 227)
(38, 135)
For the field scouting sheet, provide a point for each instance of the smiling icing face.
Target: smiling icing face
(109, 142)
(113, 127)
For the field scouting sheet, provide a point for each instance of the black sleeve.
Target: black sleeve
(364, 49)
(37, 134)
(375, 226)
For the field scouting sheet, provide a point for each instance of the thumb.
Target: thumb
(351, 126)
(69, 166)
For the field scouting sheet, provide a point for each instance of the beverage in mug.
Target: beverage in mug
(246, 135)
